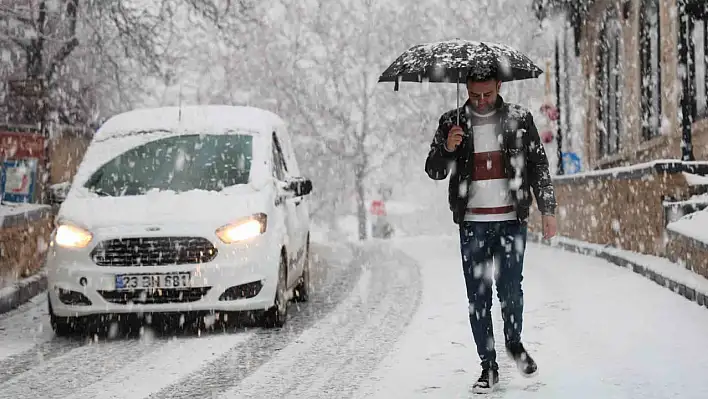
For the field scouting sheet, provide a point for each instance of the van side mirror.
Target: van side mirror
(300, 186)
(58, 192)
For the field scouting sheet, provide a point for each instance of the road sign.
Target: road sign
(377, 208)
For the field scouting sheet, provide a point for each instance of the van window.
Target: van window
(179, 163)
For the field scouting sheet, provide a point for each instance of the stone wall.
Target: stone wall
(24, 239)
(689, 252)
(621, 207)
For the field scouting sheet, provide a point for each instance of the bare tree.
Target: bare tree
(117, 35)
(328, 82)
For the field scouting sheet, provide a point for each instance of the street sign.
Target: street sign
(18, 180)
(377, 208)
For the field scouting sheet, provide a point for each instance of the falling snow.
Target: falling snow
(174, 125)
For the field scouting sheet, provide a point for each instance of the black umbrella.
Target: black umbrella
(451, 61)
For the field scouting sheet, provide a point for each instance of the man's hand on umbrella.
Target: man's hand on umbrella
(454, 138)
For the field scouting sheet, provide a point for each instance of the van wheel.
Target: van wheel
(303, 290)
(62, 326)
(275, 316)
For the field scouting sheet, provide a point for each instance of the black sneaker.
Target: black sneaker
(487, 382)
(525, 363)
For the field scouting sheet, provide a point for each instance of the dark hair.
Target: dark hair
(483, 71)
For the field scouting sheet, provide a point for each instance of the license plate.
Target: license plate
(144, 281)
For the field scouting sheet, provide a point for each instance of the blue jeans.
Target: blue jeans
(504, 243)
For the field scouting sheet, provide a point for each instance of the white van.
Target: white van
(198, 208)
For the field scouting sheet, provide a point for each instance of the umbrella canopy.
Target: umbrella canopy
(451, 61)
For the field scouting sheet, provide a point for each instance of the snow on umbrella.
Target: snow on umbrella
(451, 61)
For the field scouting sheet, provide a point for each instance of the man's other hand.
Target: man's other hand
(549, 226)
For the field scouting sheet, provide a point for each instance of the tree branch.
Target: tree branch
(7, 13)
(68, 47)
(40, 28)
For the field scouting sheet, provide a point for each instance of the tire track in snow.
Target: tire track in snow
(20, 363)
(167, 365)
(75, 369)
(332, 359)
(26, 339)
(337, 277)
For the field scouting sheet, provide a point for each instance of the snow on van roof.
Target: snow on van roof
(197, 118)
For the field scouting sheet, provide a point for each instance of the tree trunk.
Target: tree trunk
(363, 166)
(361, 205)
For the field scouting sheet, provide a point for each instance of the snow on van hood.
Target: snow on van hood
(164, 208)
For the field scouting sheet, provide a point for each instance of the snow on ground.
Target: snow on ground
(596, 330)
(390, 321)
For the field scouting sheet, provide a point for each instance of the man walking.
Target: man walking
(495, 160)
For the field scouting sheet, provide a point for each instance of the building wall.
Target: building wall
(619, 208)
(23, 244)
(623, 207)
(689, 252)
(633, 149)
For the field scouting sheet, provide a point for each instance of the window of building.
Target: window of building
(650, 55)
(694, 23)
(609, 87)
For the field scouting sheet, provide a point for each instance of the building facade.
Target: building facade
(640, 68)
(644, 81)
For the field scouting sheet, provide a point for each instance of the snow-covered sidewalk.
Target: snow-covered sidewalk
(596, 330)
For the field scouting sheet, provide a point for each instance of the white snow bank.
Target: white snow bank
(695, 180)
(8, 209)
(694, 225)
(613, 172)
(16, 210)
(659, 265)
(693, 200)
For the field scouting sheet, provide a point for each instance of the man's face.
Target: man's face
(483, 95)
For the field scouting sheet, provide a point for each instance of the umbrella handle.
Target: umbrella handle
(458, 99)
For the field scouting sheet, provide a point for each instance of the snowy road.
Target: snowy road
(390, 322)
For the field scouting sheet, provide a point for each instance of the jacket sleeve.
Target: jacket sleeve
(437, 165)
(538, 170)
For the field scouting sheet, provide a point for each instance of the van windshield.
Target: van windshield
(179, 163)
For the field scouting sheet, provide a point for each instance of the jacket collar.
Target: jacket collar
(466, 108)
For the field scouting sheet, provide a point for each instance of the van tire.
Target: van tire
(62, 326)
(276, 315)
(304, 288)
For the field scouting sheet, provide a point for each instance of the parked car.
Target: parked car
(198, 208)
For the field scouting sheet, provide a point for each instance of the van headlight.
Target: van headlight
(244, 229)
(69, 236)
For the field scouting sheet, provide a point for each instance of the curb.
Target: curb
(596, 250)
(22, 291)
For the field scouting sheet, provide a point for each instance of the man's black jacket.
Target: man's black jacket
(525, 161)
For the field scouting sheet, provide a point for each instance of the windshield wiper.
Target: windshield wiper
(100, 193)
